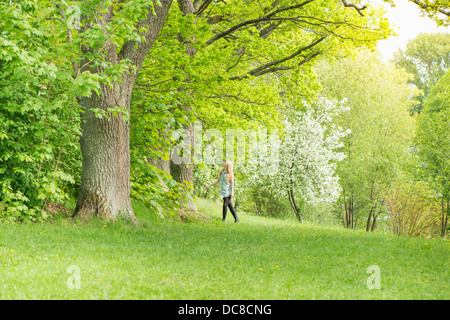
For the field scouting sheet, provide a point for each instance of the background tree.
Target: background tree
(434, 144)
(307, 159)
(381, 131)
(427, 57)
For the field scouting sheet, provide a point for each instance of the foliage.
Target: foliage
(414, 209)
(203, 176)
(267, 204)
(155, 188)
(237, 67)
(39, 119)
(433, 141)
(381, 129)
(427, 57)
(149, 140)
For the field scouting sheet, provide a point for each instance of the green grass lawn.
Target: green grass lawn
(259, 258)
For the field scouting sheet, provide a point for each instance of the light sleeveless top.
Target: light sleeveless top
(225, 187)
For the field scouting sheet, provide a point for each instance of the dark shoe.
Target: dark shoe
(236, 221)
(223, 220)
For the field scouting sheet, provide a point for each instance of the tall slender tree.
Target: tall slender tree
(381, 130)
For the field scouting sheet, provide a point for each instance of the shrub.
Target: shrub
(414, 209)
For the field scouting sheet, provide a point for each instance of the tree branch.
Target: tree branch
(356, 7)
(426, 7)
(239, 59)
(136, 51)
(275, 69)
(267, 31)
(255, 21)
(202, 7)
(230, 96)
(296, 53)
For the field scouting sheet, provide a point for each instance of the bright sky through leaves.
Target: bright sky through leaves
(408, 22)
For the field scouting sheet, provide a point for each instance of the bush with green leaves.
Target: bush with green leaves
(39, 120)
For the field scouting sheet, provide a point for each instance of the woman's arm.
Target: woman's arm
(215, 182)
(232, 186)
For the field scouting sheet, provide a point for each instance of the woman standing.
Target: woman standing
(226, 179)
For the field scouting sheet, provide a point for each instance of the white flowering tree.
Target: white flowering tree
(306, 163)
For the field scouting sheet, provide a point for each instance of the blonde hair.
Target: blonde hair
(229, 169)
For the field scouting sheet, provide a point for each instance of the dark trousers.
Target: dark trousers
(227, 204)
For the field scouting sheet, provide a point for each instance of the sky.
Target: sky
(408, 22)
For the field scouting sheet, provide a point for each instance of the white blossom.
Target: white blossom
(307, 157)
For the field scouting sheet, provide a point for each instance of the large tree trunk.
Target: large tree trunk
(105, 147)
(105, 142)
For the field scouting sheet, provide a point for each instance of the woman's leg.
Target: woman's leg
(233, 212)
(225, 206)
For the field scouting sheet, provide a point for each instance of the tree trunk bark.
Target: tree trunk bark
(446, 219)
(105, 142)
(349, 221)
(369, 220)
(105, 148)
(345, 214)
(351, 212)
(374, 222)
(371, 209)
(184, 172)
(294, 205)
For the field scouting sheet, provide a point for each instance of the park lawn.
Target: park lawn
(259, 258)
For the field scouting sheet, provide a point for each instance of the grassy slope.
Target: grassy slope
(260, 258)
